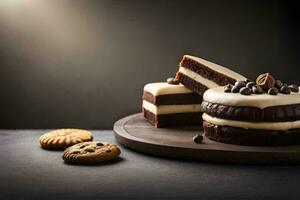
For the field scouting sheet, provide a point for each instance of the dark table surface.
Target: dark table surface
(29, 172)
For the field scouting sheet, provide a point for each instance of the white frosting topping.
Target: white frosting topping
(163, 88)
(171, 109)
(218, 68)
(280, 126)
(217, 95)
(197, 77)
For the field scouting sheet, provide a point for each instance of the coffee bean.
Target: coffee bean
(278, 84)
(89, 150)
(285, 89)
(228, 88)
(257, 89)
(172, 81)
(250, 84)
(240, 84)
(245, 91)
(294, 88)
(235, 89)
(100, 144)
(198, 138)
(273, 91)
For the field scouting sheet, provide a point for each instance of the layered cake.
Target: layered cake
(171, 104)
(199, 75)
(265, 112)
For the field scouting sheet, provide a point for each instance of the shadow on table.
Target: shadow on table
(106, 163)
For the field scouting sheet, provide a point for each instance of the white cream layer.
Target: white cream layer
(171, 109)
(279, 126)
(218, 68)
(217, 95)
(197, 77)
(163, 88)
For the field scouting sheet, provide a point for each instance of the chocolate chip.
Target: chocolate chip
(285, 89)
(257, 89)
(250, 84)
(108, 150)
(273, 91)
(245, 91)
(82, 146)
(100, 144)
(75, 152)
(278, 84)
(227, 88)
(294, 88)
(89, 150)
(240, 84)
(173, 81)
(235, 89)
(198, 138)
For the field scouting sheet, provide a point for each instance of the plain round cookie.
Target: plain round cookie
(63, 138)
(91, 153)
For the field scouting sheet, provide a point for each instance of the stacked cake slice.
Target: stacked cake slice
(199, 75)
(167, 104)
(173, 104)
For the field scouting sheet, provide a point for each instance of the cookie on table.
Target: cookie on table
(91, 153)
(63, 138)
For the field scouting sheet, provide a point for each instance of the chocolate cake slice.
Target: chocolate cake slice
(199, 75)
(167, 104)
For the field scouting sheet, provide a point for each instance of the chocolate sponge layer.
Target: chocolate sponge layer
(251, 137)
(206, 72)
(253, 114)
(191, 84)
(177, 119)
(173, 99)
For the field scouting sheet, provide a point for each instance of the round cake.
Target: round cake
(269, 117)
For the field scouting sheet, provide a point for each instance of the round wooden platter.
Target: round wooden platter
(138, 134)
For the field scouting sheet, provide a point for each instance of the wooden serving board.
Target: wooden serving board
(136, 133)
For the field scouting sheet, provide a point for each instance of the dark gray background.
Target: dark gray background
(84, 63)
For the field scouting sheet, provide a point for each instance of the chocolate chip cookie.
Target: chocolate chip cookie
(91, 153)
(62, 138)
